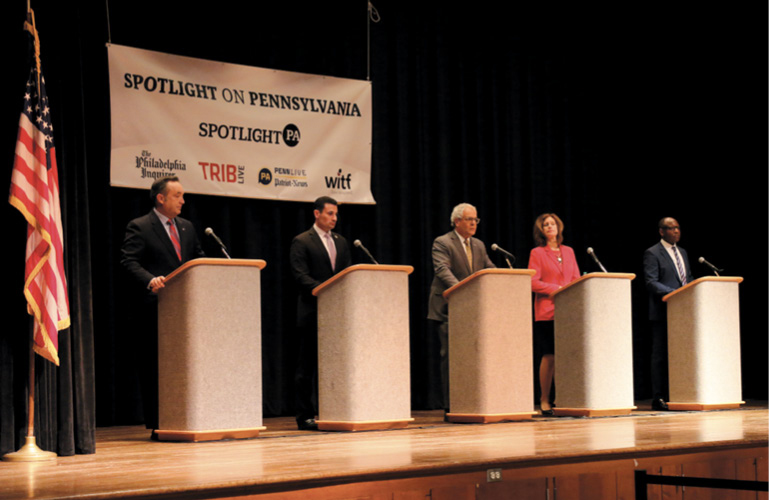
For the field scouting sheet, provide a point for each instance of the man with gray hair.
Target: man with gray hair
(456, 255)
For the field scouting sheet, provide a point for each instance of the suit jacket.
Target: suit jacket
(311, 266)
(451, 266)
(661, 277)
(148, 252)
(550, 275)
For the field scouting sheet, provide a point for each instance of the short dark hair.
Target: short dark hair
(321, 202)
(661, 223)
(159, 187)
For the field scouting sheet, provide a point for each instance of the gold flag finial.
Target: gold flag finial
(29, 25)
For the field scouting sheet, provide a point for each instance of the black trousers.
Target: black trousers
(306, 374)
(441, 330)
(146, 327)
(659, 360)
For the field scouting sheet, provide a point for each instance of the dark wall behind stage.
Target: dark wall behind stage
(612, 117)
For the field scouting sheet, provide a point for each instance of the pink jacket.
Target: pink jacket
(549, 277)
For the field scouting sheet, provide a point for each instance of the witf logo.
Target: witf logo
(339, 182)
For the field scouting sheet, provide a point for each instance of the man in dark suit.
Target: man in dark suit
(154, 245)
(316, 255)
(456, 255)
(666, 268)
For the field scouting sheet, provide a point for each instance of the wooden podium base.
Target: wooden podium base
(591, 412)
(703, 406)
(487, 418)
(214, 435)
(367, 425)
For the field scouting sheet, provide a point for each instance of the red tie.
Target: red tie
(174, 238)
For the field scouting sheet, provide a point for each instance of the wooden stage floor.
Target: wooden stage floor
(283, 460)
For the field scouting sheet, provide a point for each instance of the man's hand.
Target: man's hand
(157, 283)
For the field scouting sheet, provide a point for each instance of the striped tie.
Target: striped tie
(174, 238)
(681, 272)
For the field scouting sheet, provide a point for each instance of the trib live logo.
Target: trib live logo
(339, 181)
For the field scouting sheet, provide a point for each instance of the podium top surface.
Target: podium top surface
(360, 267)
(622, 276)
(483, 272)
(720, 279)
(206, 261)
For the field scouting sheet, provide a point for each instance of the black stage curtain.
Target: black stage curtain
(610, 118)
(64, 415)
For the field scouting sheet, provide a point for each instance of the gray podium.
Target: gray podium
(704, 345)
(490, 347)
(210, 351)
(594, 346)
(363, 349)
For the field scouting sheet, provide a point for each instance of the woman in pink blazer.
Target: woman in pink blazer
(555, 266)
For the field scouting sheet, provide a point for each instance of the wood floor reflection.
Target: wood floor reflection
(127, 464)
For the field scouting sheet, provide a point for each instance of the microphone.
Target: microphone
(210, 232)
(595, 258)
(358, 244)
(716, 270)
(507, 254)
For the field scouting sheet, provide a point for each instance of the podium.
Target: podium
(490, 347)
(594, 346)
(210, 352)
(363, 349)
(704, 345)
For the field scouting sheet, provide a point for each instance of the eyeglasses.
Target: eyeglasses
(472, 219)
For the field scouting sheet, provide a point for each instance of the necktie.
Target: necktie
(469, 252)
(681, 273)
(174, 238)
(331, 251)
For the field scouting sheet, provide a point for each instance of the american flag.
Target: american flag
(35, 193)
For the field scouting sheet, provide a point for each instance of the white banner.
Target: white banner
(233, 130)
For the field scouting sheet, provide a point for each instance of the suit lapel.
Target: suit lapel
(664, 256)
(477, 247)
(320, 248)
(554, 259)
(334, 237)
(460, 248)
(684, 261)
(182, 230)
(162, 235)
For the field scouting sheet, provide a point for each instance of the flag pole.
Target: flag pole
(30, 452)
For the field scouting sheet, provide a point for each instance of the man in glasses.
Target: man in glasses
(666, 268)
(456, 255)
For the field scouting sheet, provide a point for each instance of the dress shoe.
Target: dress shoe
(659, 405)
(547, 412)
(307, 425)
